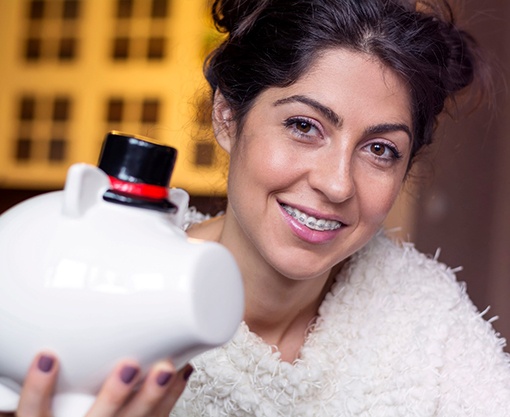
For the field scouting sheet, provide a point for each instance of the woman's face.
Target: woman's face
(318, 165)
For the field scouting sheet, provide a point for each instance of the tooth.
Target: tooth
(311, 221)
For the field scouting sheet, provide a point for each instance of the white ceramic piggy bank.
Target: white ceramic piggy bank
(102, 271)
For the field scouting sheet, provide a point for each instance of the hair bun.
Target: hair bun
(236, 16)
(462, 53)
(460, 64)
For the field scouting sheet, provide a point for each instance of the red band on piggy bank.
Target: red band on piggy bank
(156, 192)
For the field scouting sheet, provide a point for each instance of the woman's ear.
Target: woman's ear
(223, 122)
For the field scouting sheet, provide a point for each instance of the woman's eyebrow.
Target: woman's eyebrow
(337, 120)
(389, 127)
(324, 110)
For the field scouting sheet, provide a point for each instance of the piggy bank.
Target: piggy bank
(102, 270)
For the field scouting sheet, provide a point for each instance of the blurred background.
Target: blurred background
(72, 70)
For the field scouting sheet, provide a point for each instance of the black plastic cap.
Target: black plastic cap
(133, 159)
(136, 160)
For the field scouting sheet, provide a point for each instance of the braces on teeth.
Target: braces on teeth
(312, 222)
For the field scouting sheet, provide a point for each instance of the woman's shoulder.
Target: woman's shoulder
(394, 279)
(392, 265)
(408, 314)
(203, 226)
(193, 217)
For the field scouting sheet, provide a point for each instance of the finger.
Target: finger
(153, 391)
(36, 394)
(116, 390)
(177, 386)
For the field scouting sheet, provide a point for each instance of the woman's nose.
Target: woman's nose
(333, 177)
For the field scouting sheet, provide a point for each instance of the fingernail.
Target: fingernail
(163, 378)
(128, 373)
(45, 363)
(188, 372)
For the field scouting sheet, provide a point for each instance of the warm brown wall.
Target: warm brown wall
(464, 205)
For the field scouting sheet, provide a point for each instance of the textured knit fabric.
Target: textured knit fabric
(396, 336)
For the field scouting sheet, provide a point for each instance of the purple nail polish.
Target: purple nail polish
(163, 378)
(45, 363)
(128, 373)
(188, 372)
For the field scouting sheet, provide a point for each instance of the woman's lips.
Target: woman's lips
(309, 228)
(312, 222)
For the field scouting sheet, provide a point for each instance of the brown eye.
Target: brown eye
(378, 149)
(301, 128)
(304, 127)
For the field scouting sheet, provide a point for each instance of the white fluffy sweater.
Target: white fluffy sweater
(396, 336)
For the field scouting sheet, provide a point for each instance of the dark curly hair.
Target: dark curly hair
(271, 43)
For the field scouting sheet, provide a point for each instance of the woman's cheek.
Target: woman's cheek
(380, 201)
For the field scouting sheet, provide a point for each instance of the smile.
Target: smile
(310, 221)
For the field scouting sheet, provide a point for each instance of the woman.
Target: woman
(323, 106)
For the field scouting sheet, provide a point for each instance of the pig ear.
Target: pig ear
(223, 122)
(84, 187)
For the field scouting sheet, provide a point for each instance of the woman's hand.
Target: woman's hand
(154, 396)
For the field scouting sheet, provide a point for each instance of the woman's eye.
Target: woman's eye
(384, 151)
(302, 128)
(378, 149)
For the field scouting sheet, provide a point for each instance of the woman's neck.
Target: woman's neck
(278, 309)
(281, 311)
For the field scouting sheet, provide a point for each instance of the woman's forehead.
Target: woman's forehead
(340, 78)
